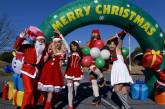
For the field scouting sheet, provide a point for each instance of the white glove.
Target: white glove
(116, 35)
(23, 34)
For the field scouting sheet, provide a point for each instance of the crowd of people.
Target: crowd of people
(41, 70)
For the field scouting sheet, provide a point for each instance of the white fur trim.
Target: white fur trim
(163, 84)
(49, 88)
(25, 42)
(75, 54)
(26, 73)
(73, 77)
(57, 39)
(40, 37)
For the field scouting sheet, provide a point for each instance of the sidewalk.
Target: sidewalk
(85, 98)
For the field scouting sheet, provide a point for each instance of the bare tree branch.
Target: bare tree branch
(7, 32)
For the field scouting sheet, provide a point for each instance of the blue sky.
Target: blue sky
(23, 13)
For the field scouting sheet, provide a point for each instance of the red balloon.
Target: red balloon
(87, 61)
(99, 44)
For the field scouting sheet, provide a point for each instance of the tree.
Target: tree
(137, 56)
(7, 33)
(6, 56)
(136, 51)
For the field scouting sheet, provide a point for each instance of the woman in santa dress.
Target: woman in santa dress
(95, 36)
(51, 79)
(95, 73)
(120, 77)
(73, 72)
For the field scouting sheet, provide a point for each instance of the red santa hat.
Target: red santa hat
(57, 38)
(40, 35)
(96, 31)
(35, 33)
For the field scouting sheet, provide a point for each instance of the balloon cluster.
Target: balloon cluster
(96, 55)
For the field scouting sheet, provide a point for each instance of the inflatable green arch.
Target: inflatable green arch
(111, 12)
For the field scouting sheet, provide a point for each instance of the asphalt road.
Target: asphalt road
(85, 97)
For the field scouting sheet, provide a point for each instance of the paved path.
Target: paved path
(85, 99)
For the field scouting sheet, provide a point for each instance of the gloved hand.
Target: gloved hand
(23, 34)
(121, 35)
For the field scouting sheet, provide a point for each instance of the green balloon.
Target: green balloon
(125, 52)
(100, 62)
(86, 51)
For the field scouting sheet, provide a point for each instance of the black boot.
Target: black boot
(101, 82)
(96, 100)
(123, 99)
(75, 101)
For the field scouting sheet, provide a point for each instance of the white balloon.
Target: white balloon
(105, 54)
(95, 52)
(17, 65)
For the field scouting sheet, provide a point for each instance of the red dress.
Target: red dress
(92, 43)
(73, 70)
(51, 79)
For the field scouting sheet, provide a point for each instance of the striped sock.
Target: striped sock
(123, 99)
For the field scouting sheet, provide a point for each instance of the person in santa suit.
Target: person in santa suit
(51, 79)
(73, 72)
(94, 37)
(95, 72)
(120, 77)
(32, 56)
(96, 75)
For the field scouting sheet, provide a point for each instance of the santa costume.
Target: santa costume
(95, 73)
(32, 56)
(73, 70)
(51, 79)
(73, 73)
(119, 72)
(93, 40)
